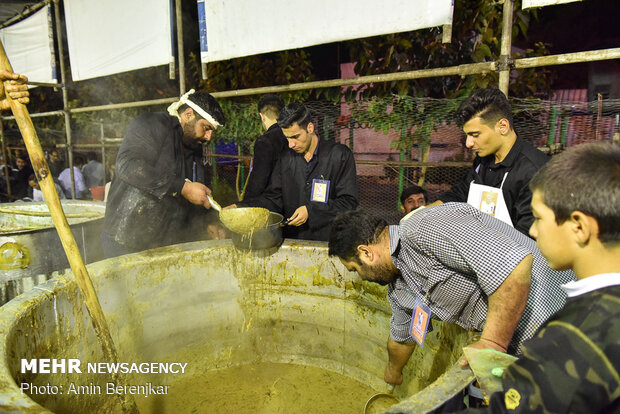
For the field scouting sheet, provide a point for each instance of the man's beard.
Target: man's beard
(382, 274)
(189, 136)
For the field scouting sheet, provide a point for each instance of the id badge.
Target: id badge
(420, 318)
(320, 190)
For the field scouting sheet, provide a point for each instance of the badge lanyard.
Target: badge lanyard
(320, 191)
(420, 318)
(489, 200)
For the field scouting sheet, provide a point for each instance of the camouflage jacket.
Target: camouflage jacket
(573, 363)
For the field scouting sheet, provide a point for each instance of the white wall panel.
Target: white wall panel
(113, 36)
(237, 28)
(540, 3)
(28, 45)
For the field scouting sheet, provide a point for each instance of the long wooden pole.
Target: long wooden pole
(42, 171)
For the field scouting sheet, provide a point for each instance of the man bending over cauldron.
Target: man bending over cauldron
(157, 190)
(454, 263)
(313, 180)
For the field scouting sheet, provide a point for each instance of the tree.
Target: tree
(476, 37)
(243, 125)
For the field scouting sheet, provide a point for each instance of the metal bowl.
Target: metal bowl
(270, 236)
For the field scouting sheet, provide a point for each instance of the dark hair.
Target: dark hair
(92, 155)
(413, 189)
(78, 160)
(24, 158)
(295, 113)
(490, 104)
(32, 177)
(584, 178)
(270, 105)
(207, 102)
(351, 229)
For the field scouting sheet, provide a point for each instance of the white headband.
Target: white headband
(173, 109)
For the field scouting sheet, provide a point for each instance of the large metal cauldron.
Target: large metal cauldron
(32, 249)
(213, 307)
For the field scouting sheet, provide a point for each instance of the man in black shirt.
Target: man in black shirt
(313, 181)
(20, 184)
(16, 87)
(412, 197)
(267, 147)
(156, 193)
(504, 163)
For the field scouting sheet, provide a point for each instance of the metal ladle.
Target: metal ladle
(214, 203)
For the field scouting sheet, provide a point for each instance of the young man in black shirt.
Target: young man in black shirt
(267, 147)
(313, 181)
(504, 163)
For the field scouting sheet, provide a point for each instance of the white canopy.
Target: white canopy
(540, 3)
(29, 47)
(113, 36)
(235, 28)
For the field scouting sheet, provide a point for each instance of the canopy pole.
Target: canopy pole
(65, 99)
(6, 171)
(506, 46)
(180, 46)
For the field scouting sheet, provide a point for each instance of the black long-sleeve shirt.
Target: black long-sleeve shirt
(521, 163)
(290, 187)
(145, 208)
(20, 185)
(267, 149)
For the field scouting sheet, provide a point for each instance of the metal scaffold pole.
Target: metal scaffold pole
(505, 60)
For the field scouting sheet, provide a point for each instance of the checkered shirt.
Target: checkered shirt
(454, 257)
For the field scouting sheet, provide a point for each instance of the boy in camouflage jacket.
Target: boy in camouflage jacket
(572, 365)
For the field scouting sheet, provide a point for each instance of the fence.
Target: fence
(397, 141)
(435, 160)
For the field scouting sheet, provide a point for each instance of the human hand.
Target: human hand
(16, 87)
(392, 376)
(482, 344)
(299, 217)
(196, 193)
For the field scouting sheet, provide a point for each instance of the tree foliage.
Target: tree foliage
(154, 83)
(279, 68)
(399, 105)
(476, 37)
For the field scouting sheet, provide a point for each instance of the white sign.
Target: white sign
(235, 28)
(113, 36)
(28, 45)
(540, 3)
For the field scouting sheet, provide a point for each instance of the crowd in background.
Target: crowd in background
(88, 175)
